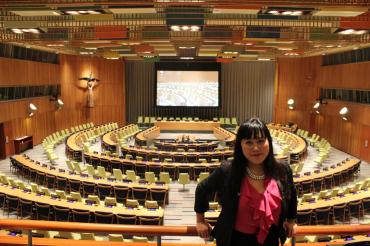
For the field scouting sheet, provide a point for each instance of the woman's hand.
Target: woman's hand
(203, 229)
(290, 228)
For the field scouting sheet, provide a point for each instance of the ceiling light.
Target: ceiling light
(86, 53)
(175, 28)
(55, 45)
(352, 32)
(186, 47)
(186, 58)
(92, 12)
(285, 49)
(72, 12)
(16, 30)
(291, 54)
(297, 12)
(97, 41)
(359, 32)
(25, 30)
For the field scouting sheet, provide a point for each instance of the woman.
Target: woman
(257, 194)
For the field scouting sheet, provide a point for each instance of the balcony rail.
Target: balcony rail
(159, 231)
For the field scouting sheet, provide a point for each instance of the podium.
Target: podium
(23, 143)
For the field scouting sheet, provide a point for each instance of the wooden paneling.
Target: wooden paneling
(109, 95)
(301, 80)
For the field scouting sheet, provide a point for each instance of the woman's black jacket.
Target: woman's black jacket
(219, 182)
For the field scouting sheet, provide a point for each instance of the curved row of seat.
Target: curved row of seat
(50, 142)
(75, 142)
(290, 143)
(25, 202)
(119, 136)
(149, 154)
(141, 166)
(84, 183)
(309, 207)
(142, 137)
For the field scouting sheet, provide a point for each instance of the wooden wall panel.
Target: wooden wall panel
(109, 95)
(301, 80)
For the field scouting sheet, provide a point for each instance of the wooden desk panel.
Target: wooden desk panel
(187, 125)
(29, 196)
(28, 163)
(345, 166)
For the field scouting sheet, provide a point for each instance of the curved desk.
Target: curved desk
(187, 125)
(76, 177)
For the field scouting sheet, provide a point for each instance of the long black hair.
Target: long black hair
(254, 128)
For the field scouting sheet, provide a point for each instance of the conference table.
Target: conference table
(120, 209)
(325, 173)
(83, 178)
(187, 125)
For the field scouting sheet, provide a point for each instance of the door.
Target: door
(2, 142)
(365, 143)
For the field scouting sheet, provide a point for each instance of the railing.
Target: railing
(159, 231)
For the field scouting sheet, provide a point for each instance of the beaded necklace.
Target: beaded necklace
(254, 176)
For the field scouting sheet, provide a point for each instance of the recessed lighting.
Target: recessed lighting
(186, 47)
(287, 13)
(285, 49)
(291, 54)
(25, 30)
(72, 12)
(55, 45)
(175, 28)
(86, 53)
(361, 32)
(352, 32)
(296, 12)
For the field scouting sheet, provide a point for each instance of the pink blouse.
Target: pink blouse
(258, 211)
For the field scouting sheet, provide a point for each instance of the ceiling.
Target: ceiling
(154, 30)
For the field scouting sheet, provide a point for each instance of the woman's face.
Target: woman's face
(255, 149)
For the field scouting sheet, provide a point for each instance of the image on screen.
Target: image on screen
(187, 88)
